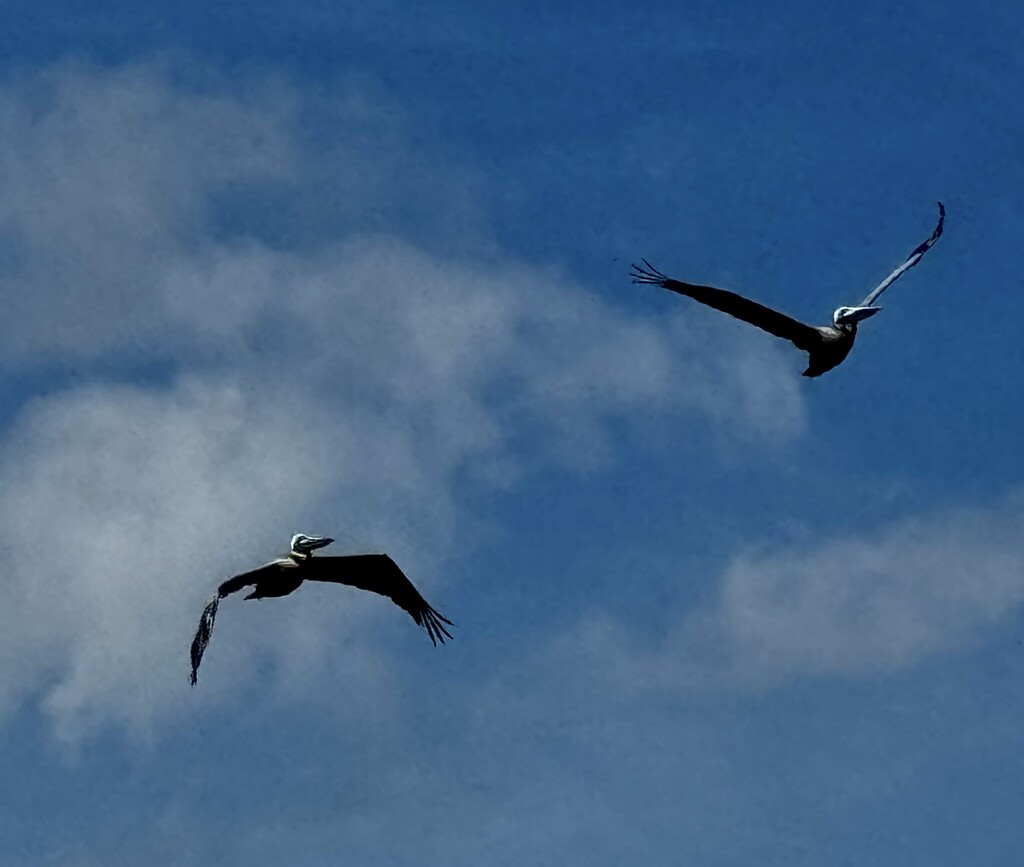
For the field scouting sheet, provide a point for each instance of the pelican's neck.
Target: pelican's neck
(299, 556)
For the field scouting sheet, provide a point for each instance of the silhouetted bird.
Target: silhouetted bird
(827, 345)
(377, 573)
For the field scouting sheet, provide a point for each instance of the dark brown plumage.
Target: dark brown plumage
(377, 573)
(826, 345)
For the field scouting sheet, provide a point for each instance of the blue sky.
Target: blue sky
(362, 270)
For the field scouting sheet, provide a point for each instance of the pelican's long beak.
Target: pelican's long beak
(314, 542)
(849, 315)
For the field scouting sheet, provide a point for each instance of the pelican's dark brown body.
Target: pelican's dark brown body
(285, 577)
(835, 344)
(270, 589)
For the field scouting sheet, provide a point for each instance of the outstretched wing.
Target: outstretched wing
(204, 631)
(378, 573)
(912, 260)
(802, 336)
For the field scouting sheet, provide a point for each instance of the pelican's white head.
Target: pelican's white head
(853, 315)
(305, 545)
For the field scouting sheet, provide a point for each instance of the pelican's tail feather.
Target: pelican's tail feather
(203, 633)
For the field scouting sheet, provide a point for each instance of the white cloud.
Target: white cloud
(340, 389)
(850, 605)
(116, 178)
(106, 176)
(124, 504)
(120, 505)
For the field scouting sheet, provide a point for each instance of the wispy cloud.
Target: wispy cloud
(107, 176)
(847, 605)
(339, 382)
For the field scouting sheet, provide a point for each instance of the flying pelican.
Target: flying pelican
(826, 345)
(377, 573)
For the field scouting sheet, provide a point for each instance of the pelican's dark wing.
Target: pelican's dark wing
(802, 336)
(912, 260)
(204, 631)
(378, 573)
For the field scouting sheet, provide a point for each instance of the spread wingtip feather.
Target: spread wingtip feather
(204, 631)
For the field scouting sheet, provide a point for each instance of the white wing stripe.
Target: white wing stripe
(912, 260)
